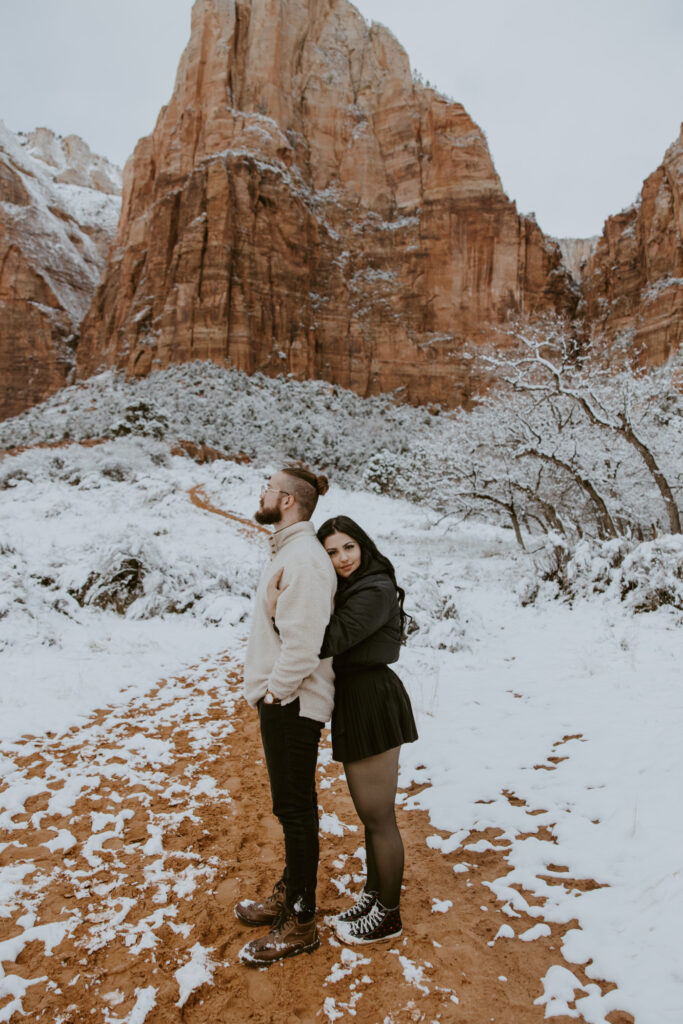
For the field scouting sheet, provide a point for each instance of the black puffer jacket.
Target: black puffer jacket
(365, 628)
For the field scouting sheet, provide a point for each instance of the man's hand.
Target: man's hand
(273, 592)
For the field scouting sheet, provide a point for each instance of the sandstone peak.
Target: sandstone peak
(304, 206)
(73, 160)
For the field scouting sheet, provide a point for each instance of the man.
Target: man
(294, 693)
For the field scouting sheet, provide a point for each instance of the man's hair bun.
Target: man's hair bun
(306, 485)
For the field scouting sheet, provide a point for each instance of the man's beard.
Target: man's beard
(268, 516)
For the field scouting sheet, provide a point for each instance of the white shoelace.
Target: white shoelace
(364, 900)
(361, 906)
(372, 919)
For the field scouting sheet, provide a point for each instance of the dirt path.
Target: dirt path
(199, 500)
(127, 841)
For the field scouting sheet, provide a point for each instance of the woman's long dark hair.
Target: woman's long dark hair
(368, 553)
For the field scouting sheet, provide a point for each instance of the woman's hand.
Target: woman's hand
(273, 591)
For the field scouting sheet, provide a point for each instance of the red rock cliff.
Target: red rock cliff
(59, 205)
(303, 206)
(633, 282)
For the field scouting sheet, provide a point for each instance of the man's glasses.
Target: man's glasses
(275, 490)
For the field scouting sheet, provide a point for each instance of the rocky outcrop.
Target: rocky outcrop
(633, 282)
(59, 205)
(576, 252)
(304, 206)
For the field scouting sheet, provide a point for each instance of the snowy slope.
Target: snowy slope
(262, 416)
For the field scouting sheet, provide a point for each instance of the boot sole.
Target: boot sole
(293, 952)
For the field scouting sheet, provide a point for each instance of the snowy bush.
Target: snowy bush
(382, 472)
(142, 419)
(643, 576)
(435, 619)
(11, 476)
(652, 575)
(116, 588)
(30, 601)
(593, 567)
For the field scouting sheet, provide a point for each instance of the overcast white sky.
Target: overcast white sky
(578, 98)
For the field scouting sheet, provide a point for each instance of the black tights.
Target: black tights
(372, 783)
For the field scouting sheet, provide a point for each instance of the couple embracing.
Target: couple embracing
(328, 621)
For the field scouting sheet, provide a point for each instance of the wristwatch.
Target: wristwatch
(270, 698)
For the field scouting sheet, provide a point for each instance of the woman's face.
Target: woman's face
(344, 551)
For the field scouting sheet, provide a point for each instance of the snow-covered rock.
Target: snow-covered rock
(59, 207)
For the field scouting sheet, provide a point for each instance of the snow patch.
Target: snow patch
(197, 972)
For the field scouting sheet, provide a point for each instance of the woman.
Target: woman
(372, 716)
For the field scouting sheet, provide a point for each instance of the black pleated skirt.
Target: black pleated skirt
(372, 713)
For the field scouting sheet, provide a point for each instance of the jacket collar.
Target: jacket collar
(282, 537)
(373, 568)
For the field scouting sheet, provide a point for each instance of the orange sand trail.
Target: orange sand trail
(161, 855)
(200, 500)
(140, 830)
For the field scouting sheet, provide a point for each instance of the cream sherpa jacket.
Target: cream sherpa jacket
(288, 663)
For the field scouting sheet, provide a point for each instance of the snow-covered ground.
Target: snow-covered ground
(575, 712)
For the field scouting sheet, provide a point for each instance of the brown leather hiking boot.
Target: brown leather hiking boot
(260, 912)
(287, 937)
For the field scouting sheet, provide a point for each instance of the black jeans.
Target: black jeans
(290, 744)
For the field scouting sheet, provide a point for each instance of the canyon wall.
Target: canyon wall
(633, 282)
(59, 206)
(304, 207)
